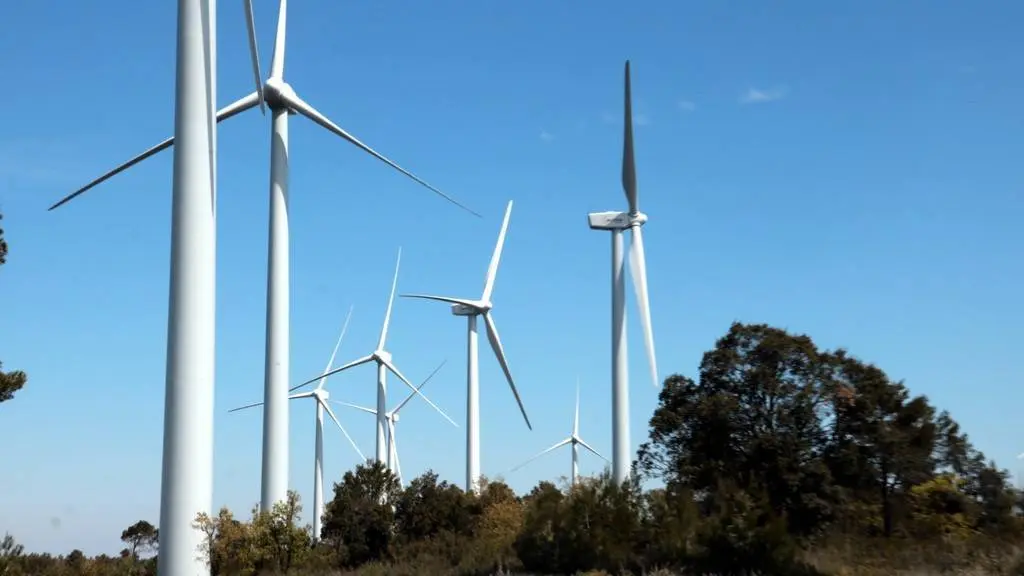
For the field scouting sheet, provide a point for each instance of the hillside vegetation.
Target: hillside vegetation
(779, 458)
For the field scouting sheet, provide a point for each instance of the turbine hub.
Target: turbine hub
(275, 91)
(394, 417)
(382, 356)
(321, 394)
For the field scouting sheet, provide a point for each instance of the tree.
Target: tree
(280, 542)
(141, 537)
(10, 382)
(3, 244)
(359, 521)
(755, 418)
(10, 551)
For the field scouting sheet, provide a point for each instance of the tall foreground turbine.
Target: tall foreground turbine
(186, 486)
(320, 397)
(471, 309)
(391, 417)
(617, 222)
(574, 440)
(385, 363)
(282, 100)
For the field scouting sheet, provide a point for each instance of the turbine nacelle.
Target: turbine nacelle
(471, 308)
(615, 220)
(321, 394)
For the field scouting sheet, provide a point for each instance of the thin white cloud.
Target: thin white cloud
(687, 106)
(546, 136)
(761, 95)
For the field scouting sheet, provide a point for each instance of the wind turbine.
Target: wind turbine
(617, 222)
(186, 483)
(574, 440)
(471, 309)
(383, 358)
(320, 397)
(283, 101)
(391, 417)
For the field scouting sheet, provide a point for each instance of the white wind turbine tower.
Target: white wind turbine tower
(471, 309)
(391, 417)
(283, 101)
(617, 222)
(186, 486)
(574, 440)
(320, 397)
(384, 362)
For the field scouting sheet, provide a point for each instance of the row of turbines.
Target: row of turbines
(187, 479)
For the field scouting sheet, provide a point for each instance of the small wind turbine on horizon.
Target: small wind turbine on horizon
(471, 309)
(283, 101)
(320, 396)
(574, 440)
(617, 222)
(384, 362)
(391, 417)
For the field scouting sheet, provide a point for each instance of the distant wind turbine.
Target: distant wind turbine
(320, 397)
(283, 101)
(384, 364)
(617, 222)
(391, 417)
(471, 309)
(574, 440)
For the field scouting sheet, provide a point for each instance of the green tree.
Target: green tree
(10, 382)
(141, 537)
(3, 244)
(755, 418)
(280, 541)
(359, 521)
(10, 552)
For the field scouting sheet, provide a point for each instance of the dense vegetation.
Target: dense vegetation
(10, 382)
(779, 458)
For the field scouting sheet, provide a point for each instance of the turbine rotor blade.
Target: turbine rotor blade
(277, 61)
(394, 370)
(391, 302)
(254, 53)
(344, 328)
(343, 431)
(628, 161)
(638, 269)
(556, 446)
(590, 448)
(301, 395)
(445, 299)
(356, 406)
(576, 417)
(394, 450)
(422, 384)
(228, 111)
(499, 352)
(351, 364)
(299, 105)
(247, 406)
(492, 268)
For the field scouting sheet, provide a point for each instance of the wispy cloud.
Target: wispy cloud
(761, 95)
(687, 106)
(546, 136)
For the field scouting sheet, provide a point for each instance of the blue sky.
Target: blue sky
(851, 171)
